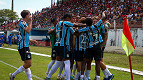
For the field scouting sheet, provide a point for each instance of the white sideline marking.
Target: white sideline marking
(123, 69)
(108, 66)
(17, 68)
(31, 52)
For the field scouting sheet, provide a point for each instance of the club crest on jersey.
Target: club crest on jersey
(68, 55)
(54, 55)
(28, 55)
(27, 51)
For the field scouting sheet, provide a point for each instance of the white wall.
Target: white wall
(38, 37)
(115, 37)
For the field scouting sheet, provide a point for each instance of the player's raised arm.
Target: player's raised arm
(103, 18)
(54, 22)
(28, 29)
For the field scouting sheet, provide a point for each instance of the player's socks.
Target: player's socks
(28, 73)
(50, 65)
(19, 70)
(77, 76)
(108, 72)
(71, 77)
(74, 69)
(97, 77)
(85, 78)
(61, 69)
(88, 74)
(105, 74)
(54, 68)
(64, 74)
(71, 70)
(82, 76)
(67, 69)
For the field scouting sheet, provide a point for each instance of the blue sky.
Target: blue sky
(19, 5)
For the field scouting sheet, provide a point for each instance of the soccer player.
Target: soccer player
(63, 29)
(71, 46)
(52, 33)
(23, 46)
(104, 33)
(79, 50)
(93, 46)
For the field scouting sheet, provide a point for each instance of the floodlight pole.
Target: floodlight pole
(12, 6)
(12, 10)
(51, 3)
(57, 2)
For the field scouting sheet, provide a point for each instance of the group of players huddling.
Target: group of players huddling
(73, 38)
(80, 39)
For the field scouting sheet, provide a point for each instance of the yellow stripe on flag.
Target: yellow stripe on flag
(126, 45)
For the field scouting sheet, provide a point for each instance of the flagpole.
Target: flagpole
(130, 67)
(126, 39)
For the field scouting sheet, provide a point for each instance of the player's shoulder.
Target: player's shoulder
(22, 22)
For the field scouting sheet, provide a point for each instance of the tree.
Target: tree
(7, 14)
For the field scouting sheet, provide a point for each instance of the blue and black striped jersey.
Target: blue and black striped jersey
(80, 42)
(93, 35)
(63, 29)
(23, 35)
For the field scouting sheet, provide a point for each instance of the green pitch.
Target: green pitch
(40, 63)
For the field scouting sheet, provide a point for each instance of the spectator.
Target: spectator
(17, 39)
(0, 41)
(41, 19)
(10, 39)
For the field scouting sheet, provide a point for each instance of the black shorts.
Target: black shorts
(94, 52)
(53, 55)
(25, 53)
(71, 55)
(62, 51)
(102, 52)
(79, 55)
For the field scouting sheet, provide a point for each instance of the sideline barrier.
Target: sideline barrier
(41, 43)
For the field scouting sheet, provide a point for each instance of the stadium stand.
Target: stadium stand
(115, 11)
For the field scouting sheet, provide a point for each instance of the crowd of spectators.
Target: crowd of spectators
(9, 25)
(115, 10)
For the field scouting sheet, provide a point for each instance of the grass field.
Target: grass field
(40, 63)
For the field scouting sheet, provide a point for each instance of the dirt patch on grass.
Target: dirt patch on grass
(119, 50)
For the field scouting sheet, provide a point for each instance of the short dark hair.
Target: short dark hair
(67, 15)
(88, 21)
(83, 21)
(24, 13)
